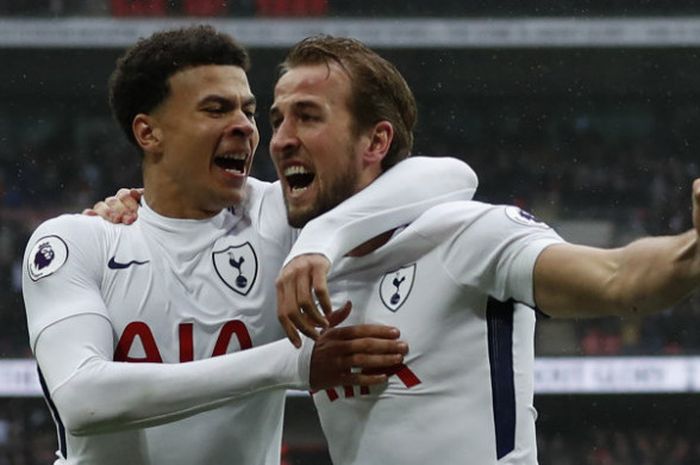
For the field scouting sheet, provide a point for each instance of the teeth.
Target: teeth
(295, 169)
(299, 189)
(233, 156)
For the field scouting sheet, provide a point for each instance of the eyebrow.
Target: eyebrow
(299, 105)
(248, 101)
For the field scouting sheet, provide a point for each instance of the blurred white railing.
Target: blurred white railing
(553, 375)
(84, 32)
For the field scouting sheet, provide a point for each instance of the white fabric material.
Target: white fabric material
(165, 291)
(433, 281)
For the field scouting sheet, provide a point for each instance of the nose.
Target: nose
(242, 126)
(284, 139)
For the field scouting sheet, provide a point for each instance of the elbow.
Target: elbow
(77, 415)
(462, 174)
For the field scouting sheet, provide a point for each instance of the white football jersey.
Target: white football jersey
(457, 282)
(176, 290)
(173, 290)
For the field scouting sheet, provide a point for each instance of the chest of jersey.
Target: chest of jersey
(439, 406)
(180, 304)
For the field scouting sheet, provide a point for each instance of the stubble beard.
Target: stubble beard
(340, 188)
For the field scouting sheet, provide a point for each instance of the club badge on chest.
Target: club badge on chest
(237, 266)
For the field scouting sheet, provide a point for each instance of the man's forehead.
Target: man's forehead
(312, 84)
(226, 78)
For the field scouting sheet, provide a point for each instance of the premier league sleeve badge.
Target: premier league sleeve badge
(46, 257)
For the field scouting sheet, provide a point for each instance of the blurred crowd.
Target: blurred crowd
(27, 437)
(613, 446)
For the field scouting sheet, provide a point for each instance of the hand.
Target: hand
(119, 208)
(297, 283)
(361, 355)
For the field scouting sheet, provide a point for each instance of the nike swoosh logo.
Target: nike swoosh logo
(115, 265)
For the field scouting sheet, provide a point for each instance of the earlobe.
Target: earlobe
(146, 132)
(380, 140)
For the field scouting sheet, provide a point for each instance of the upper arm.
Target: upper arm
(575, 280)
(62, 272)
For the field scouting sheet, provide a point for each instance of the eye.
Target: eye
(251, 114)
(217, 110)
(275, 122)
(308, 117)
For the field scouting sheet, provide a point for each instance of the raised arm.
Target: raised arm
(394, 199)
(645, 276)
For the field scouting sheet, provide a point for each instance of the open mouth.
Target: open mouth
(298, 177)
(231, 162)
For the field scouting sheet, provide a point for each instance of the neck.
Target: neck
(166, 197)
(372, 244)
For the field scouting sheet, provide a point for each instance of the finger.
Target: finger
(287, 325)
(320, 287)
(89, 212)
(306, 302)
(111, 201)
(102, 210)
(362, 379)
(338, 316)
(373, 364)
(289, 308)
(364, 331)
(304, 325)
(125, 197)
(291, 332)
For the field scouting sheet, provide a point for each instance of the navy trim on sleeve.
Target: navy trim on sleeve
(61, 429)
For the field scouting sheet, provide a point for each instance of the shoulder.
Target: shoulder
(471, 213)
(480, 226)
(73, 228)
(57, 238)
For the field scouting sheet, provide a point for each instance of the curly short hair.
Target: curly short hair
(378, 93)
(140, 81)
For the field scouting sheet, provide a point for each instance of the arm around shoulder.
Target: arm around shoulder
(395, 198)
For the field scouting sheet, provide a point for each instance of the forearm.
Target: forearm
(395, 198)
(657, 272)
(96, 395)
(646, 276)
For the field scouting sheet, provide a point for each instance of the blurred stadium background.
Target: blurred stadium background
(584, 112)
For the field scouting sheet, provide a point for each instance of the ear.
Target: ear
(147, 133)
(380, 138)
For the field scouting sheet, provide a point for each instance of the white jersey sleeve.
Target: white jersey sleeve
(491, 247)
(394, 199)
(70, 250)
(96, 395)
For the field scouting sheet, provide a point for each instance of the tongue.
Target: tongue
(301, 180)
(230, 164)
